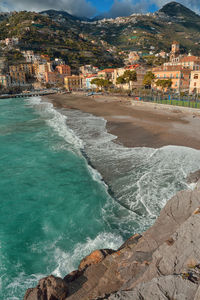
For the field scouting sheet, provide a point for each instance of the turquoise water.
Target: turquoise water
(49, 200)
(55, 208)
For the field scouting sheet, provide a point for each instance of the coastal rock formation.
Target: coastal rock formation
(49, 288)
(163, 263)
(193, 177)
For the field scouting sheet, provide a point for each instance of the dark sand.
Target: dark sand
(138, 126)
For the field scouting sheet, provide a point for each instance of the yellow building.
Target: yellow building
(73, 82)
(21, 73)
(179, 76)
(5, 81)
(195, 82)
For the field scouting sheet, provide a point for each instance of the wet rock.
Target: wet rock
(94, 258)
(131, 242)
(193, 177)
(49, 288)
(163, 261)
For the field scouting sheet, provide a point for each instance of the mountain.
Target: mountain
(175, 9)
(62, 14)
(102, 42)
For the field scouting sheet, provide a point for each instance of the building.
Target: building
(180, 76)
(88, 69)
(88, 80)
(175, 50)
(11, 41)
(5, 81)
(21, 74)
(17, 76)
(64, 70)
(45, 57)
(133, 57)
(106, 74)
(140, 71)
(53, 78)
(58, 62)
(41, 70)
(195, 82)
(73, 82)
(31, 57)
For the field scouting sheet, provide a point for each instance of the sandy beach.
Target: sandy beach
(138, 126)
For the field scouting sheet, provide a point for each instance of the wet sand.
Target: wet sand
(137, 126)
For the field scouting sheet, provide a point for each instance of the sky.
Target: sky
(90, 8)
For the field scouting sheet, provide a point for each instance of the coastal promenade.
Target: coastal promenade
(29, 94)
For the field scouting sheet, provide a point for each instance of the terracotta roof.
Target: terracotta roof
(175, 42)
(190, 59)
(171, 69)
(92, 75)
(107, 70)
(133, 66)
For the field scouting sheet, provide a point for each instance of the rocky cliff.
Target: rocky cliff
(163, 263)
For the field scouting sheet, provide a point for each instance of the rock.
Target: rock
(49, 288)
(198, 185)
(162, 288)
(72, 276)
(193, 177)
(94, 258)
(179, 256)
(131, 242)
(162, 260)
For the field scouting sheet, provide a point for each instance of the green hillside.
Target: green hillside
(83, 41)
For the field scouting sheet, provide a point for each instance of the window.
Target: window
(195, 84)
(196, 76)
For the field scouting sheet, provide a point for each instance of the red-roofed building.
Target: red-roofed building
(180, 76)
(106, 74)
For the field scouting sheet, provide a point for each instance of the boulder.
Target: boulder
(94, 258)
(157, 261)
(193, 177)
(49, 288)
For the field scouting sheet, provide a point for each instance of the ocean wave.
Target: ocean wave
(140, 180)
(66, 262)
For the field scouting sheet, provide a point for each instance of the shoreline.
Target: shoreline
(137, 125)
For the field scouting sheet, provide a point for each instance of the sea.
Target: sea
(66, 189)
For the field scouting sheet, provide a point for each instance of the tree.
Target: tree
(164, 83)
(127, 77)
(101, 83)
(130, 76)
(120, 80)
(148, 79)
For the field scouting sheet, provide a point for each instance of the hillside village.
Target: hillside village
(56, 50)
(181, 72)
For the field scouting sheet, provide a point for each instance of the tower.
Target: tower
(175, 51)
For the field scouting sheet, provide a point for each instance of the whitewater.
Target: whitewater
(66, 189)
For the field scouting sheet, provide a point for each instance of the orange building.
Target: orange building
(64, 70)
(195, 82)
(180, 76)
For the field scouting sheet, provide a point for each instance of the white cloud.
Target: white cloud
(85, 7)
(74, 7)
(128, 7)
